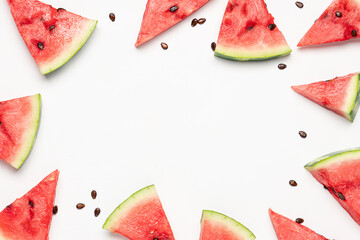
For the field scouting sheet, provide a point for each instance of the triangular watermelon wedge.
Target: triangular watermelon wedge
(287, 229)
(339, 173)
(52, 35)
(29, 217)
(160, 15)
(141, 217)
(340, 95)
(19, 121)
(339, 22)
(248, 33)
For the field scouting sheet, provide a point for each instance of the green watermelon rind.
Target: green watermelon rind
(30, 137)
(334, 157)
(234, 55)
(144, 193)
(230, 222)
(76, 45)
(355, 101)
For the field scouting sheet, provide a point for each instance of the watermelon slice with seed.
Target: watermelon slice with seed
(140, 217)
(29, 217)
(339, 173)
(160, 15)
(215, 225)
(287, 229)
(52, 35)
(340, 95)
(248, 33)
(339, 22)
(19, 120)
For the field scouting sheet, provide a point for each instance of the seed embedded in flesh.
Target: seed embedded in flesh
(40, 45)
(173, 8)
(155, 239)
(354, 33)
(251, 27)
(338, 14)
(61, 9)
(299, 4)
(97, 212)
(293, 183)
(112, 17)
(80, 206)
(299, 220)
(326, 187)
(341, 196)
(272, 26)
(31, 203)
(333, 189)
(213, 46)
(55, 209)
(282, 66)
(164, 46)
(194, 22)
(0, 122)
(93, 194)
(303, 134)
(202, 21)
(51, 27)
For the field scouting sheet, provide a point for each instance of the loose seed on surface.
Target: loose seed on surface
(299, 220)
(293, 183)
(213, 46)
(55, 209)
(97, 212)
(51, 27)
(40, 45)
(173, 8)
(303, 134)
(194, 22)
(93, 194)
(341, 196)
(31, 203)
(299, 4)
(272, 26)
(61, 9)
(338, 14)
(282, 66)
(112, 17)
(80, 206)
(164, 46)
(202, 20)
(354, 33)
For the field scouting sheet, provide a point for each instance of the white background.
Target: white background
(209, 133)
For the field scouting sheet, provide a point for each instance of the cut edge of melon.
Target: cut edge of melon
(75, 46)
(352, 98)
(228, 221)
(30, 135)
(142, 194)
(248, 55)
(338, 156)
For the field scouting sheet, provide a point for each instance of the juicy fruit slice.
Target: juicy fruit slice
(19, 120)
(340, 95)
(52, 35)
(333, 26)
(339, 173)
(140, 217)
(160, 15)
(287, 229)
(29, 217)
(248, 33)
(215, 225)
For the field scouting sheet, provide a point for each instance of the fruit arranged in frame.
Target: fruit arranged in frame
(248, 33)
(161, 15)
(141, 217)
(29, 217)
(287, 229)
(215, 225)
(19, 120)
(52, 35)
(340, 95)
(340, 175)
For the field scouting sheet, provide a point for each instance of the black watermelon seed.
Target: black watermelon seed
(202, 21)
(8, 206)
(61, 9)
(299, 4)
(80, 206)
(194, 22)
(51, 27)
(213, 46)
(0, 122)
(333, 189)
(155, 239)
(299, 220)
(40, 45)
(282, 66)
(93, 194)
(272, 26)
(112, 17)
(55, 209)
(173, 8)
(354, 33)
(251, 27)
(97, 212)
(293, 183)
(303, 134)
(31, 203)
(164, 46)
(338, 14)
(326, 187)
(341, 196)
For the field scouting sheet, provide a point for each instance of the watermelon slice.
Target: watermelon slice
(160, 15)
(215, 225)
(339, 22)
(141, 217)
(29, 217)
(52, 35)
(340, 95)
(248, 33)
(339, 173)
(19, 120)
(287, 229)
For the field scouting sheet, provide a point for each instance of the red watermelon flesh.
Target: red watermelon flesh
(340, 95)
(287, 229)
(29, 217)
(52, 35)
(158, 17)
(19, 120)
(141, 217)
(339, 173)
(331, 28)
(248, 33)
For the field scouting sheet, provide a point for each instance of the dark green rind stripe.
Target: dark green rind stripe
(329, 156)
(234, 58)
(356, 103)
